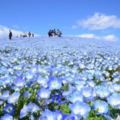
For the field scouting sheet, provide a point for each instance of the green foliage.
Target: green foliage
(114, 112)
(118, 69)
(53, 106)
(1, 110)
(93, 116)
(65, 87)
(65, 109)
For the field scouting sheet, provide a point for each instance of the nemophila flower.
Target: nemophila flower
(80, 108)
(24, 111)
(98, 74)
(32, 107)
(42, 81)
(49, 115)
(71, 117)
(5, 95)
(29, 108)
(114, 100)
(44, 93)
(14, 98)
(58, 114)
(81, 66)
(107, 74)
(19, 82)
(18, 73)
(32, 117)
(57, 98)
(68, 93)
(17, 67)
(34, 69)
(75, 96)
(89, 76)
(42, 70)
(116, 87)
(27, 94)
(29, 75)
(79, 84)
(101, 106)
(102, 91)
(108, 117)
(91, 83)
(9, 109)
(116, 79)
(87, 92)
(1, 102)
(7, 80)
(54, 84)
(6, 117)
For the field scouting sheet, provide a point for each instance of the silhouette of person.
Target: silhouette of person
(29, 34)
(50, 33)
(10, 35)
(32, 34)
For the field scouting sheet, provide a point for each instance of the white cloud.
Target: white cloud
(109, 37)
(99, 22)
(88, 36)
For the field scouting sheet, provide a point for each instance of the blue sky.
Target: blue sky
(41, 15)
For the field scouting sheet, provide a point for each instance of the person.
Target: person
(29, 34)
(10, 34)
(50, 33)
(58, 33)
(32, 34)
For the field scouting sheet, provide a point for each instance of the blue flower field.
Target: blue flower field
(64, 78)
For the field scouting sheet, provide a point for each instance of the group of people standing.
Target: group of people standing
(54, 32)
(29, 34)
(51, 33)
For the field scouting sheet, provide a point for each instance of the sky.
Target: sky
(91, 18)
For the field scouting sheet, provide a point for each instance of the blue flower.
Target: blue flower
(114, 100)
(27, 94)
(32, 107)
(57, 98)
(44, 93)
(6, 117)
(80, 108)
(29, 75)
(42, 81)
(54, 84)
(49, 115)
(29, 108)
(102, 91)
(87, 92)
(101, 107)
(116, 87)
(5, 95)
(75, 96)
(24, 111)
(71, 117)
(13, 98)
(9, 109)
(1, 102)
(19, 82)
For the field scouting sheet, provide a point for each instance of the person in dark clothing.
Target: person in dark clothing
(10, 35)
(58, 33)
(29, 34)
(50, 33)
